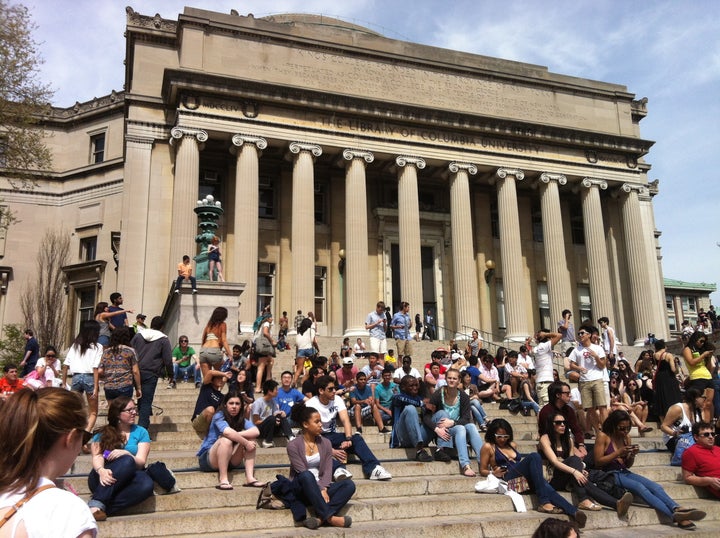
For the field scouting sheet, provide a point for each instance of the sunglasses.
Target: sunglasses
(706, 434)
(559, 422)
(86, 436)
(51, 355)
(582, 333)
(502, 436)
(183, 341)
(330, 389)
(623, 428)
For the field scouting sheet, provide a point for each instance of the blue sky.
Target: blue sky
(667, 51)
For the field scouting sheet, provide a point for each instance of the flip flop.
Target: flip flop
(256, 484)
(553, 510)
(224, 486)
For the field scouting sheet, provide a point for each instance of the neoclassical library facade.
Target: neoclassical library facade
(351, 168)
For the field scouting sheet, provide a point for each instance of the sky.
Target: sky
(667, 51)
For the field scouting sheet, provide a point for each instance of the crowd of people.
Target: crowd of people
(437, 409)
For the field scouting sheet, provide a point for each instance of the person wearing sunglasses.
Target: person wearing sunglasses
(40, 436)
(615, 451)
(589, 361)
(701, 462)
(119, 453)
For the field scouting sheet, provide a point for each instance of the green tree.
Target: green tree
(12, 345)
(23, 101)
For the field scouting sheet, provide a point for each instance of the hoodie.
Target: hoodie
(154, 352)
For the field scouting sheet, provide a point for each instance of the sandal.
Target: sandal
(255, 484)
(553, 510)
(467, 471)
(224, 486)
(686, 525)
(592, 507)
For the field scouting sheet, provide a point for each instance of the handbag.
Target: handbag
(266, 500)
(514, 405)
(685, 441)
(263, 347)
(519, 484)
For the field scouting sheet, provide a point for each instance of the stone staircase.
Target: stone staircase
(422, 499)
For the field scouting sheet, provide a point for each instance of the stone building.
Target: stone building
(352, 168)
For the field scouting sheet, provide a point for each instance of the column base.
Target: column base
(356, 331)
(515, 339)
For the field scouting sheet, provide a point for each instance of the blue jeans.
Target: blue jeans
(132, 486)
(184, 372)
(460, 434)
(649, 491)
(716, 397)
(478, 412)
(111, 394)
(408, 431)
(307, 492)
(530, 404)
(148, 384)
(359, 448)
(531, 468)
(180, 279)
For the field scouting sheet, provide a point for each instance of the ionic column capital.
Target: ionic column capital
(297, 147)
(349, 154)
(518, 174)
(178, 133)
(404, 160)
(547, 177)
(594, 182)
(239, 139)
(455, 167)
(627, 188)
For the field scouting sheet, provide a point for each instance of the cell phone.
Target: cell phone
(106, 454)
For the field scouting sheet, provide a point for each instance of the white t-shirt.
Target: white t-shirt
(328, 413)
(544, 362)
(526, 362)
(400, 373)
(86, 362)
(305, 340)
(49, 374)
(52, 513)
(575, 397)
(581, 356)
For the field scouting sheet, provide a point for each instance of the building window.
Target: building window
(88, 248)
(86, 305)
(494, 219)
(320, 293)
(267, 197)
(321, 202)
(669, 303)
(688, 304)
(672, 322)
(210, 184)
(577, 226)
(97, 148)
(583, 291)
(543, 304)
(500, 302)
(537, 226)
(265, 286)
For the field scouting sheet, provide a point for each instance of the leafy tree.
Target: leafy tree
(12, 345)
(43, 299)
(23, 101)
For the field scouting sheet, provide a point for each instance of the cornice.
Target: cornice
(113, 102)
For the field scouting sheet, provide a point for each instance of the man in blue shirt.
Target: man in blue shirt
(288, 395)
(408, 428)
(401, 325)
(118, 320)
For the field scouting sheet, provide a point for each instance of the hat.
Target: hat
(456, 357)
(348, 360)
(140, 316)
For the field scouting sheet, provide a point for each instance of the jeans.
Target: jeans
(531, 468)
(307, 492)
(716, 397)
(180, 279)
(132, 486)
(460, 434)
(148, 384)
(531, 405)
(478, 412)
(269, 426)
(111, 394)
(651, 492)
(561, 479)
(184, 372)
(359, 448)
(408, 431)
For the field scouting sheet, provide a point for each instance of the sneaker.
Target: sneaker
(441, 455)
(177, 290)
(194, 291)
(379, 473)
(341, 473)
(422, 455)
(359, 430)
(268, 444)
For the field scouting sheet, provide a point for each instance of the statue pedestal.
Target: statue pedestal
(188, 314)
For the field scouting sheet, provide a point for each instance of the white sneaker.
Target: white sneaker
(291, 438)
(379, 473)
(194, 292)
(177, 290)
(266, 444)
(341, 474)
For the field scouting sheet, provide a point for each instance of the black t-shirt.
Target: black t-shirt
(209, 396)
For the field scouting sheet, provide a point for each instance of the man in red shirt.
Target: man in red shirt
(701, 462)
(10, 382)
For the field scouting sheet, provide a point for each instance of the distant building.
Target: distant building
(684, 300)
(352, 168)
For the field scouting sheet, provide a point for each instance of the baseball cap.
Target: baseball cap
(140, 316)
(348, 360)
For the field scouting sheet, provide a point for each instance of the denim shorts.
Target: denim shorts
(83, 383)
(306, 352)
(211, 355)
(204, 463)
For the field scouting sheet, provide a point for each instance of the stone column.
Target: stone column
(245, 224)
(596, 249)
(641, 278)
(467, 307)
(302, 237)
(185, 193)
(558, 276)
(409, 228)
(356, 241)
(517, 329)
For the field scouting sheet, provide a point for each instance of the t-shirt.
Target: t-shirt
(374, 376)
(49, 374)
(702, 461)
(345, 378)
(403, 321)
(568, 335)
(208, 396)
(329, 412)
(400, 373)
(363, 394)
(52, 513)
(544, 362)
(384, 394)
(183, 358)
(184, 270)
(6, 386)
(118, 320)
(474, 373)
(581, 356)
(443, 368)
(305, 340)
(117, 367)
(263, 408)
(34, 348)
(83, 363)
(287, 399)
(138, 435)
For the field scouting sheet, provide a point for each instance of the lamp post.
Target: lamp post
(208, 211)
(489, 271)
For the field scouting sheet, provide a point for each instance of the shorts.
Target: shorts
(201, 425)
(309, 352)
(365, 410)
(700, 384)
(542, 392)
(211, 355)
(83, 383)
(204, 462)
(592, 394)
(404, 347)
(378, 345)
